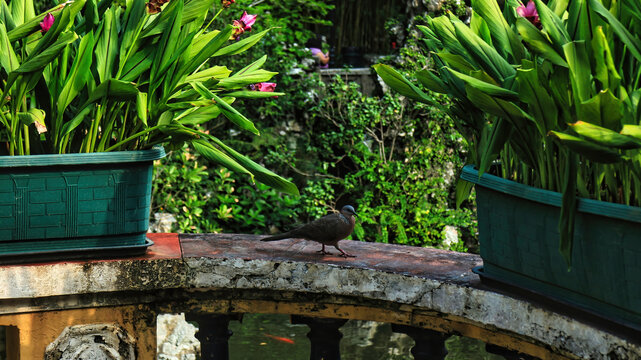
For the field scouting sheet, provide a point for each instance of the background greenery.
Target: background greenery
(392, 159)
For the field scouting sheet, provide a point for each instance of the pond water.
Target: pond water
(271, 337)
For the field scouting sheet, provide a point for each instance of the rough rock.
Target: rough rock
(176, 338)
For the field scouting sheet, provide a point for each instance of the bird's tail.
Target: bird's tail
(276, 237)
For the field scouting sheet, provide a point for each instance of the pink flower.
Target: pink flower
(529, 12)
(264, 86)
(46, 23)
(247, 20)
(243, 24)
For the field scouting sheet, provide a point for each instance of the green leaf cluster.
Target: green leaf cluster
(555, 105)
(109, 76)
(205, 199)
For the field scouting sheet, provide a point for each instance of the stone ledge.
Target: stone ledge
(420, 279)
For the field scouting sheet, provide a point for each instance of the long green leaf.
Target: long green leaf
(507, 41)
(263, 175)
(114, 90)
(207, 51)
(486, 56)
(199, 115)
(632, 130)
(495, 106)
(214, 154)
(5, 16)
(568, 209)
(59, 27)
(137, 64)
(580, 72)
(491, 145)
(590, 150)
(133, 21)
(107, 45)
(462, 191)
(241, 80)
(540, 104)
(604, 109)
(78, 75)
(429, 80)
(241, 45)
(9, 61)
(398, 82)
(605, 70)
(604, 136)
(234, 116)
(37, 64)
(456, 62)
(141, 107)
(552, 24)
(230, 113)
(633, 43)
(578, 23)
(538, 43)
(194, 11)
(253, 66)
(165, 48)
(446, 33)
(72, 124)
(486, 87)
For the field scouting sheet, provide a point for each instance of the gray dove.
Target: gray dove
(328, 230)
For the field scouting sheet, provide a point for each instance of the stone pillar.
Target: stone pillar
(428, 344)
(213, 334)
(324, 335)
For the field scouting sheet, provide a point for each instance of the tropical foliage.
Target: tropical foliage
(550, 90)
(89, 76)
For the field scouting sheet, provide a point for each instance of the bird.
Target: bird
(328, 230)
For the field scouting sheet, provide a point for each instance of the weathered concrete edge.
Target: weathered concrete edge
(481, 306)
(484, 307)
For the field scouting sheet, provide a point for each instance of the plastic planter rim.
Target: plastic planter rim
(603, 208)
(112, 157)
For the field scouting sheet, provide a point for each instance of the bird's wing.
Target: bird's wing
(327, 228)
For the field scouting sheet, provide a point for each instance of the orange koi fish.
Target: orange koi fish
(281, 339)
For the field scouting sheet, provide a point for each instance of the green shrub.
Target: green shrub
(392, 160)
(212, 199)
(397, 161)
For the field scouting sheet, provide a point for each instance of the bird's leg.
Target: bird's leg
(323, 252)
(343, 253)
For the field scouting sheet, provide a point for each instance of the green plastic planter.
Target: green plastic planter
(518, 232)
(52, 204)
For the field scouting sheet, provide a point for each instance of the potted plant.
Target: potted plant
(91, 93)
(549, 93)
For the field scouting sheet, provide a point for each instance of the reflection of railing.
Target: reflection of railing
(423, 292)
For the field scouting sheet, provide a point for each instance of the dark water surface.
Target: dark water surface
(273, 337)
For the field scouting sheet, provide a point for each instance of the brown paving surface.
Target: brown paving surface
(166, 246)
(434, 264)
(423, 262)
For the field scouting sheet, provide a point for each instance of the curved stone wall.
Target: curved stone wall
(428, 288)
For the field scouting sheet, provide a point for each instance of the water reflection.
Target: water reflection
(272, 337)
